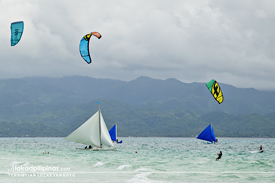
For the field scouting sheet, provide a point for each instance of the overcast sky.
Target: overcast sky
(231, 41)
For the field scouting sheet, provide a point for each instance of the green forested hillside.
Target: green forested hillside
(133, 121)
(142, 107)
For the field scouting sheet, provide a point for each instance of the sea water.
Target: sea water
(138, 160)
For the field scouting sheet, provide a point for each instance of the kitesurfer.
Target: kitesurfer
(219, 156)
(261, 149)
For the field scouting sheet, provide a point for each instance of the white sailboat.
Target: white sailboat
(93, 133)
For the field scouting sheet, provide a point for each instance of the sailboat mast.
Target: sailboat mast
(116, 131)
(99, 125)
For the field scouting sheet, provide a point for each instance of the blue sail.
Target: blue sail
(16, 32)
(112, 133)
(207, 134)
(213, 135)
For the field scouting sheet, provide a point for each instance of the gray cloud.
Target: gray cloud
(229, 41)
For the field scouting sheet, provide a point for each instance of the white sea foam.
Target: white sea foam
(98, 164)
(26, 164)
(256, 151)
(14, 163)
(121, 167)
(141, 169)
(142, 178)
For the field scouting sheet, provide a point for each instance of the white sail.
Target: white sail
(88, 132)
(105, 136)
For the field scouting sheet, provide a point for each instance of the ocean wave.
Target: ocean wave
(98, 164)
(121, 167)
(142, 178)
(19, 163)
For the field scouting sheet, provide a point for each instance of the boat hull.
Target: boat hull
(97, 149)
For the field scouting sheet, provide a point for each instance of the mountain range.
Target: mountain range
(142, 107)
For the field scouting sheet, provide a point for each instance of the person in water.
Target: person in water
(86, 147)
(261, 149)
(90, 147)
(219, 156)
